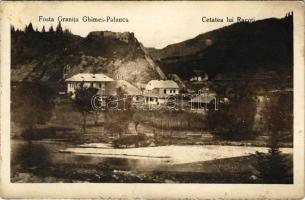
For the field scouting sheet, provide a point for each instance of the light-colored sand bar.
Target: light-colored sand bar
(171, 154)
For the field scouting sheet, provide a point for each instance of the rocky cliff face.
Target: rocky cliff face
(47, 56)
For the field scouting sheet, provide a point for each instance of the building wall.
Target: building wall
(151, 100)
(71, 86)
(169, 91)
(161, 92)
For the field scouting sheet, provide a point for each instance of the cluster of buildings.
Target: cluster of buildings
(156, 92)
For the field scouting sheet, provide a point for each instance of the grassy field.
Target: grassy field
(43, 114)
(164, 127)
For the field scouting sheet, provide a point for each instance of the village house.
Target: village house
(99, 81)
(204, 101)
(126, 87)
(199, 76)
(158, 91)
(106, 86)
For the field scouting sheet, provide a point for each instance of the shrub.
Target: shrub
(140, 140)
(235, 136)
(273, 167)
(233, 121)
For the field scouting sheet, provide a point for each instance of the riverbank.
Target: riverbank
(54, 161)
(232, 170)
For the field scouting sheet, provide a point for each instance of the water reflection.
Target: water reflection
(42, 155)
(30, 155)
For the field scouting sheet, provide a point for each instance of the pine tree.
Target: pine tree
(67, 32)
(18, 30)
(29, 28)
(51, 30)
(59, 29)
(12, 29)
(43, 30)
(273, 167)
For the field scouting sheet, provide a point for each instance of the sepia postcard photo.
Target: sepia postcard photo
(152, 99)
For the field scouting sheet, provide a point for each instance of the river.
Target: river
(47, 152)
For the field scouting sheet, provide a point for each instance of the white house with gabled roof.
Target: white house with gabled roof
(158, 91)
(163, 87)
(99, 81)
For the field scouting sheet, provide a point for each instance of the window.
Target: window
(91, 84)
(100, 85)
(174, 91)
(164, 91)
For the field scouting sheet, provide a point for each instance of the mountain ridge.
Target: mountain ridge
(260, 48)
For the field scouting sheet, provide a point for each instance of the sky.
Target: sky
(155, 24)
